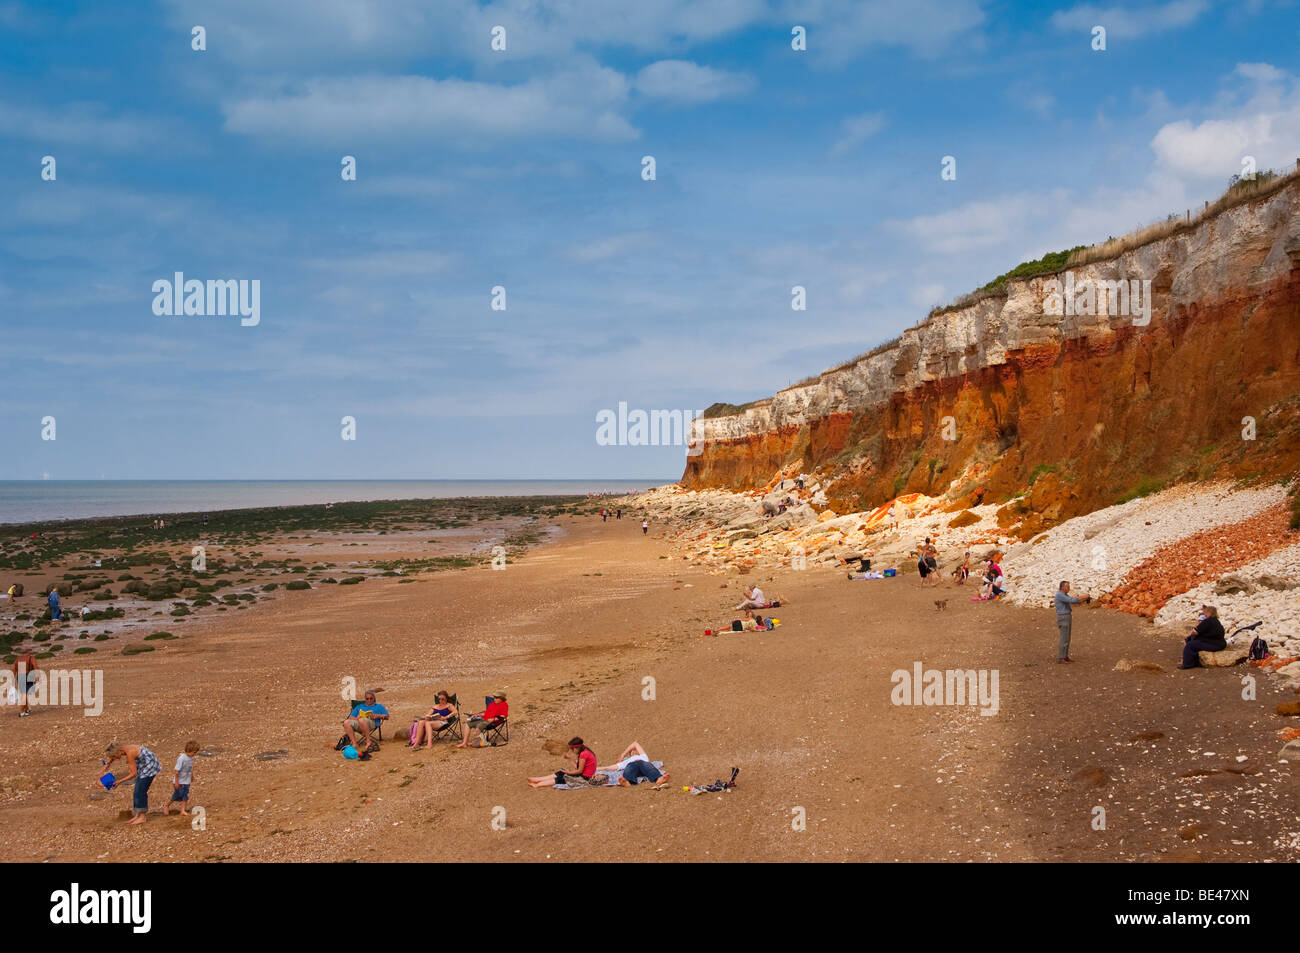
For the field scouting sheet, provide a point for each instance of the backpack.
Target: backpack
(342, 743)
(1258, 648)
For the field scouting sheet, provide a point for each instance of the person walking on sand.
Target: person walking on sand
(604, 515)
(618, 514)
(927, 563)
(55, 612)
(1064, 610)
(24, 669)
(144, 768)
(645, 527)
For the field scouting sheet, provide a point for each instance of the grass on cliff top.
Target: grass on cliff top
(729, 410)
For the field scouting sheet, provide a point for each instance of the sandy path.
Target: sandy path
(571, 631)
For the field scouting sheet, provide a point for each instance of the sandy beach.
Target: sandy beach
(1183, 766)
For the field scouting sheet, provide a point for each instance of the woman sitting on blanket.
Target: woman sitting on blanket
(439, 717)
(584, 777)
(635, 766)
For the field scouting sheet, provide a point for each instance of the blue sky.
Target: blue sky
(522, 168)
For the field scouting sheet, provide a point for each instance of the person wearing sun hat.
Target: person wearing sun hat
(493, 715)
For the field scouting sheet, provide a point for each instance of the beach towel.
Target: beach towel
(611, 779)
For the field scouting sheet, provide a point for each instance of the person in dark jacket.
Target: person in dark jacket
(1206, 637)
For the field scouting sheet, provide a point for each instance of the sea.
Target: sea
(30, 501)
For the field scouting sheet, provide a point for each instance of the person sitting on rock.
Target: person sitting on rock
(1208, 636)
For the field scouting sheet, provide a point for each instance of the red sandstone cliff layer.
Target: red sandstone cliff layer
(1078, 413)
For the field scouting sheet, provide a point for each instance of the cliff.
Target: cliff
(1074, 411)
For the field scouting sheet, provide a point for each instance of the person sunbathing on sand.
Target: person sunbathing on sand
(635, 766)
(439, 717)
(584, 777)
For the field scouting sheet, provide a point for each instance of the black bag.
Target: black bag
(342, 743)
(1258, 648)
(737, 625)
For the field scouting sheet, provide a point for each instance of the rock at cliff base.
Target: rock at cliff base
(1232, 655)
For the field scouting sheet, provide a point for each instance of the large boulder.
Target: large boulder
(1232, 655)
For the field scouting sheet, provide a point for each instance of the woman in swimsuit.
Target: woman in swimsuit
(440, 716)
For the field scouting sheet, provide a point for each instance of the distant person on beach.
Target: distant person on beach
(927, 562)
(1065, 604)
(618, 514)
(962, 572)
(754, 599)
(491, 716)
(55, 612)
(24, 669)
(604, 515)
(439, 717)
(1208, 636)
(144, 768)
(365, 717)
(182, 778)
(584, 777)
(634, 766)
(645, 527)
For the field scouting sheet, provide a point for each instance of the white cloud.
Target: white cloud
(1131, 22)
(686, 82)
(612, 246)
(388, 263)
(81, 124)
(840, 31)
(1262, 120)
(355, 112)
(982, 224)
(855, 130)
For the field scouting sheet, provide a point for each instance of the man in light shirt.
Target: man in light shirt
(1064, 610)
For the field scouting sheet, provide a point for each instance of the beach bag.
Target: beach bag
(1258, 648)
(737, 625)
(415, 725)
(342, 743)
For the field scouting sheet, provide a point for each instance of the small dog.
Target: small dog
(940, 604)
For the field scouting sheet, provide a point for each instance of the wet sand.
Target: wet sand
(571, 631)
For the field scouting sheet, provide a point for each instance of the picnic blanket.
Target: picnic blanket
(611, 780)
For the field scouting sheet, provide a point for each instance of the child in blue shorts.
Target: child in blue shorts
(182, 779)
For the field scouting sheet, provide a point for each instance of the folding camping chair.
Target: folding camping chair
(495, 734)
(378, 733)
(453, 729)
